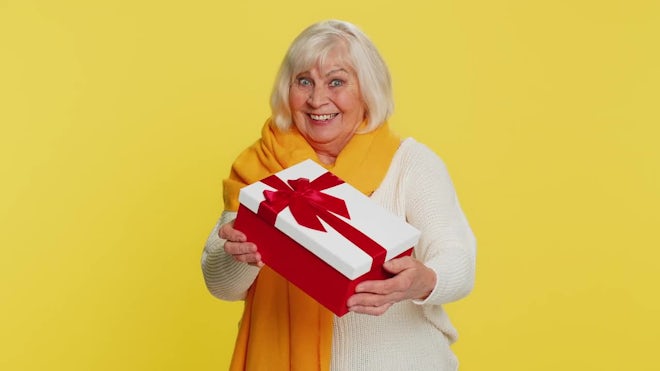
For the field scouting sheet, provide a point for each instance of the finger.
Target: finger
(382, 287)
(374, 311)
(398, 283)
(227, 232)
(252, 259)
(372, 300)
(258, 264)
(238, 248)
(396, 266)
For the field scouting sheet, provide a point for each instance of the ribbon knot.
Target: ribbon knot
(307, 203)
(309, 206)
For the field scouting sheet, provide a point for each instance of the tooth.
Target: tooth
(322, 117)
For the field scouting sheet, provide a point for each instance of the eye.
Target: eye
(336, 82)
(303, 81)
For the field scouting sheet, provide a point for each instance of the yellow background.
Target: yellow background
(120, 118)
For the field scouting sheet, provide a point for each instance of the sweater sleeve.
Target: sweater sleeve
(226, 278)
(447, 244)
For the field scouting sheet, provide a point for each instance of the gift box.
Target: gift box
(320, 233)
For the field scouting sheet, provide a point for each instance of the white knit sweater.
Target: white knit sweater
(411, 335)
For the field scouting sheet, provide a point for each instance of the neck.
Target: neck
(326, 159)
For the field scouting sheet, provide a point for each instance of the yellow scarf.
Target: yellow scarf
(282, 327)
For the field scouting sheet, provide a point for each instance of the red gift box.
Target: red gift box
(320, 233)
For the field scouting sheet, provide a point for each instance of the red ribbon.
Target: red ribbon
(309, 206)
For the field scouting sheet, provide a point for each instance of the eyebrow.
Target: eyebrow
(335, 71)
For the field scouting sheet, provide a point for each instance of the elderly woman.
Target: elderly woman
(330, 103)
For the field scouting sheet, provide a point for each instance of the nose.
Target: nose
(317, 96)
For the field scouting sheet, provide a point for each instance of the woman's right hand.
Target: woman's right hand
(237, 246)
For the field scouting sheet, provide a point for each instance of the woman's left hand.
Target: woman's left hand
(412, 280)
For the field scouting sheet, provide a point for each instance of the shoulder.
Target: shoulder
(413, 156)
(421, 171)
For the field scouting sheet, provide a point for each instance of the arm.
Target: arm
(443, 267)
(447, 245)
(225, 277)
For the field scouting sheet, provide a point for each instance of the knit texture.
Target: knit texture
(411, 335)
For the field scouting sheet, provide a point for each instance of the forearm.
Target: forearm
(455, 271)
(225, 278)
(447, 244)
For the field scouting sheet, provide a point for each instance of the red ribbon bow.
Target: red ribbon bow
(308, 205)
(304, 198)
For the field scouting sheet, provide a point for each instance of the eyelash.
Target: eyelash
(305, 82)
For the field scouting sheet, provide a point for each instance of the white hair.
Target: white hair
(312, 46)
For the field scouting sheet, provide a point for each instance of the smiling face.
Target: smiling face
(326, 105)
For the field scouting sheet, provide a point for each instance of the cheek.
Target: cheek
(351, 104)
(296, 101)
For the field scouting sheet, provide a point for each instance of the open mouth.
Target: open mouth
(326, 117)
